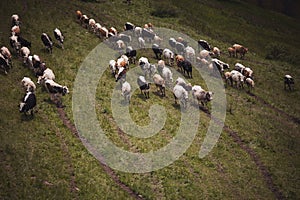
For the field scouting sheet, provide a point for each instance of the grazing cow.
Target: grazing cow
(204, 54)
(56, 90)
(92, 23)
(144, 86)
(160, 84)
(247, 72)
(131, 54)
(179, 59)
(126, 90)
(120, 46)
(47, 75)
(138, 31)
(47, 41)
(15, 30)
(238, 78)
(148, 35)
(160, 66)
(6, 53)
(97, 29)
(123, 61)
(113, 31)
(84, 21)
(240, 49)
(141, 42)
(187, 68)
(112, 67)
(172, 43)
(180, 93)
(103, 32)
(202, 44)
(201, 95)
(250, 83)
(288, 81)
(179, 48)
(220, 65)
(24, 53)
(181, 81)
(15, 20)
(231, 51)
(167, 75)
(28, 84)
(189, 53)
(59, 37)
(28, 103)
(121, 75)
(23, 42)
(216, 52)
(129, 26)
(157, 51)
(157, 39)
(4, 64)
(14, 43)
(169, 55)
(239, 67)
(147, 68)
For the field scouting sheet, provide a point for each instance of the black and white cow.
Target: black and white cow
(202, 44)
(157, 51)
(4, 64)
(59, 37)
(131, 54)
(47, 41)
(144, 86)
(129, 26)
(288, 81)
(15, 20)
(28, 103)
(15, 44)
(56, 90)
(220, 65)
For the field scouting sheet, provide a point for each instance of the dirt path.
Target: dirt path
(106, 168)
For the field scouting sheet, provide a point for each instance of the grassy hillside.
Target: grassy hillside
(256, 156)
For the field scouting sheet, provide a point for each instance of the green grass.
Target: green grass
(43, 149)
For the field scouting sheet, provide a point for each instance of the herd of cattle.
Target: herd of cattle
(178, 54)
(45, 76)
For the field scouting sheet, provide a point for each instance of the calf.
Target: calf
(28, 103)
(47, 41)
(288, 81)
(59, 37)
(144, 86)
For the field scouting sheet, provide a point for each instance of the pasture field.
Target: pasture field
(256, 156)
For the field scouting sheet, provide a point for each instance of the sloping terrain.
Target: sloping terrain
(256, 156)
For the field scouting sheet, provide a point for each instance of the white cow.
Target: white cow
(180, 93)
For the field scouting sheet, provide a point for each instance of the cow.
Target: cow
(121, 75)
(15, 30)
(220, 65)
(78, 15)
(157, 51)
(47, 41)
(112, 67)
(172, 43)
(131, 54)
(144, 86)
(187, 68)
(14, 43)
(148, 35)
(56, 91)
(129, 26)
(24, 53)
(125, 38)
(179, 48)
(250, 83)
(202, 44)
(126, 90)
(103, 32)
(189, 53)
(288, 81)
(28, 103)
(160, 84)
(180, 93)
(186, 86)
(15, 20)
(141, 42)
(216, 52)
(201, 95)
(23, 42)
(169, 55)
(113, 31)
(238, 78)
(59, 37)
(231, 51)
(240, 49)
(167, 75)
(47, 75)
(7, 55)
(28, 84)
(138, 31)
(4, 64)
(84, 21)
(92, 24)
(120, 45)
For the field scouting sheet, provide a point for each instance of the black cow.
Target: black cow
(47, 41)
(23, 42)
(157, 51)
(131, 54)
(28, 103)
(4, 63)
(187, 67)
(202, 44)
